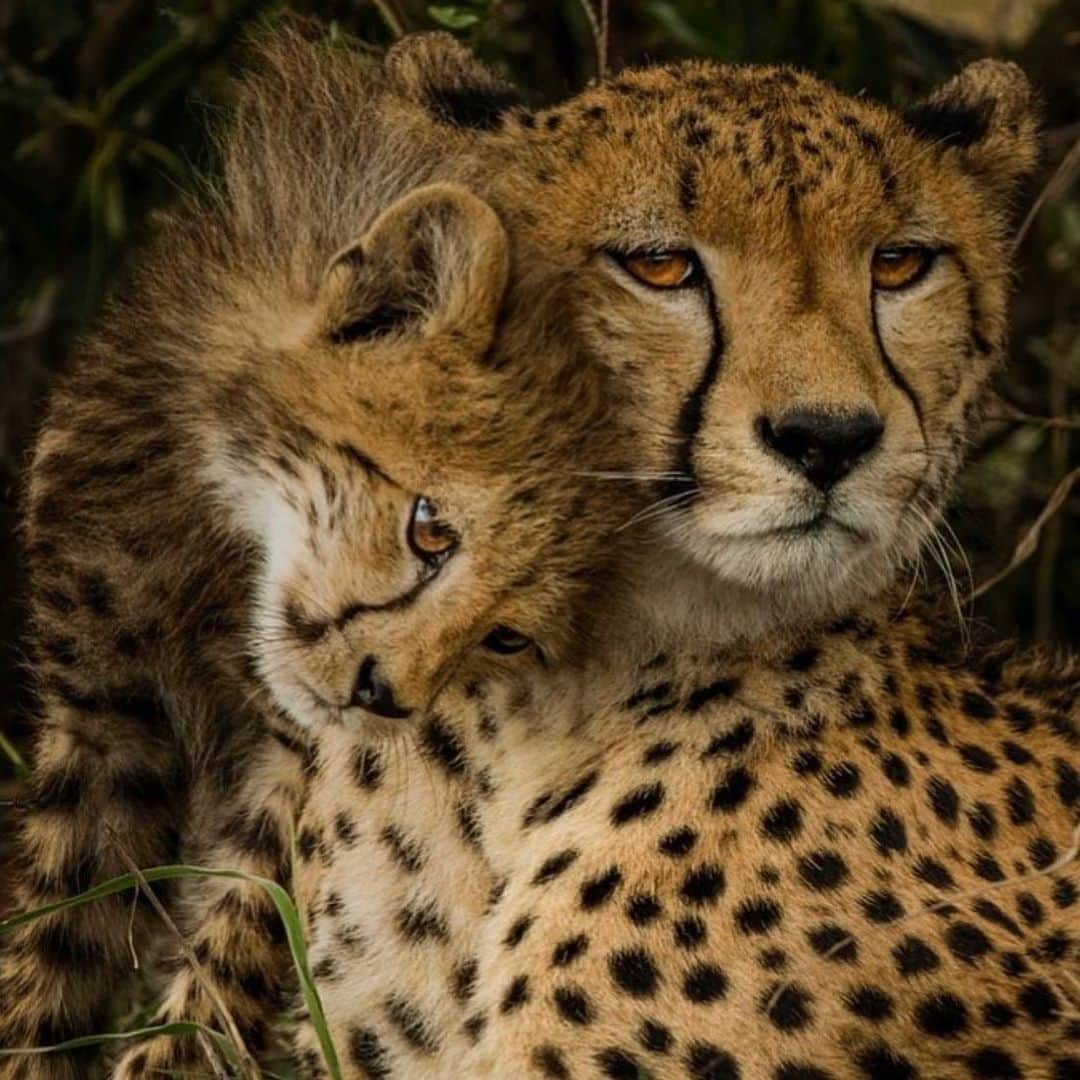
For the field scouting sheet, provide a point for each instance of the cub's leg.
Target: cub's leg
(231, 927)
(106, 779)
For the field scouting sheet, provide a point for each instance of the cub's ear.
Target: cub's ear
(446, 80)
(987, 115)
(435, 261)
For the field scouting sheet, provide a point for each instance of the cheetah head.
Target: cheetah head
(802, 294)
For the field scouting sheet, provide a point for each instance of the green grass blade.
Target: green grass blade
(7, 748)
(282, 901)
(178, 1028)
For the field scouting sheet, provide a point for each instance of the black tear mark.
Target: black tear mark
(480, 108)
(893, 372)
(692, 411)
(950, 123)
(978, 339)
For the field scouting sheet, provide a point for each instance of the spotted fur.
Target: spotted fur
(853, 855)
(216, 534)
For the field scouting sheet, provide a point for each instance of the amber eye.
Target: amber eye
(506, 640)
(430, 538)
(662, 270)
(898, 267)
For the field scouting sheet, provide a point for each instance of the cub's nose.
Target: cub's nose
(375, 694)
(823, 446)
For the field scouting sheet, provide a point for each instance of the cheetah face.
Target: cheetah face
(802, 294)
(394, 473)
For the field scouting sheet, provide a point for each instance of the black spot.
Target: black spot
(367, 767)
(704, 1061)
(806, 763)
(515, 995)
(689, 932)
(1042, 853)
(406, 852)
(655, 1037)
(678, 842)
(943, 798)
(952, 123)
(869, 1002)
(721, 689)
(1019, 801)
(841, 780)
(1031, 911)
(463, 980)
(642, 909)
(782, 821)
(1068, 783)
(703, 884)
(772, 959)
(637, 804)
(442, 744)
(882, 907)
(881, 1062)
(553, 866)
(548, 807)
(997, 1014)
(823, 870)
(658, 752)
(550, 1063)
(990, 1063)
(914, 957)
(368, 1053)
(833, 942)
(977, 759)
(422, 922)
(573, 1005)
(943, 1015)
(983, 821)
(1015, 753)
(888, 833)
(1065, 893)
(986, 866)
(787, 1005)
(634, 972)
(704, 983)
(757, 916)
(733, 741)
(933, 873)
(408, 1019)
(1039, 1001)
(732, 791)
(617, 1064)
(896, 770)
(569, 949)
(596, 891)
(792, 1070)
(518, 929)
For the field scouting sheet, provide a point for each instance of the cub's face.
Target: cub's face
(418, 500)
(803, 295)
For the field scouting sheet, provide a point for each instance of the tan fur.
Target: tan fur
(216, 531)
(784, 188)
(852, 853)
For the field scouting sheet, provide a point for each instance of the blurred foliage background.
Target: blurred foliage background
(103, 106)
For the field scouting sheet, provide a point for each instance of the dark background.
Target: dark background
(103, 108)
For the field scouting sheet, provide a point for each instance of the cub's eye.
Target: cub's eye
(662, 270)
(430, 538)
(898, 267)
(506, 640)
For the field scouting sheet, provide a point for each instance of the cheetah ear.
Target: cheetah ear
(987, 115)
(434, 262)
(448, 82)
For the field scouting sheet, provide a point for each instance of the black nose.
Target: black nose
(823, 446)
(374, 694)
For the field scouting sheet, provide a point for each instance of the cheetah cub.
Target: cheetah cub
(293, 481)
